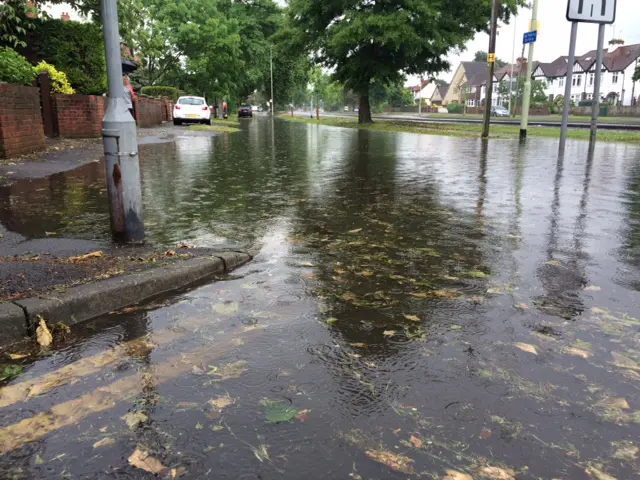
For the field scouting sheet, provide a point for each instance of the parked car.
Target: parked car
(191, 110)
(499, 111)
(245, 111)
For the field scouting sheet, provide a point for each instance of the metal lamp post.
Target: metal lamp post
(120, 141)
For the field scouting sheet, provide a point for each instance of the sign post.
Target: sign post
(491, 59)
(602, 12)
(526, 95)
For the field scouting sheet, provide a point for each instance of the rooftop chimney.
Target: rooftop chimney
(65, 17)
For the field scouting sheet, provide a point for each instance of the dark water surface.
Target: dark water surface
(422, 306)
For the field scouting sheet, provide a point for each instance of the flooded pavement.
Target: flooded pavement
(422, 306)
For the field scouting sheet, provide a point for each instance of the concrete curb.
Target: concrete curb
(84, 302)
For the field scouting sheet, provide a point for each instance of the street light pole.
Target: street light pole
(596, 88)
(513, 59)
(273, 111)
(420, 97)
(526, 97)
(120, 141)
(492, 61)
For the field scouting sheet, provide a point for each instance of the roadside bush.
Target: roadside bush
(585, 103)
(14, 68)
(158, 91)
(455, 108)
(59, 81)
(74, 48)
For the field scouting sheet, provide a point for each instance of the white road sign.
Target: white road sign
(593, 11)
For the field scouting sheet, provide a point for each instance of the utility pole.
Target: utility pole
(526, 97)
(492, 61)
(595, 112)
(513, 59)
(420, 97)
(273, 111)
(120, 141)
(567, 86)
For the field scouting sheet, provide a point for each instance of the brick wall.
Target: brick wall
(21, 128)
(78, 116)
(150, 111)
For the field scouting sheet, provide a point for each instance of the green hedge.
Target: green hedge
(170, 92)
(75, 48)
(14, 68)
(455, 108)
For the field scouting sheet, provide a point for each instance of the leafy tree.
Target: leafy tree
(15, 68)
(636, 74)
(482, 56)
(363, 40)
(14, 22)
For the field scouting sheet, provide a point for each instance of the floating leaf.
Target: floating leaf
(17, 356)
(450, 278)
(577, 352)
(416, 442)
(553, 263)
(199, 426)
(217, 428)
(477, 274)
(226, 308)
(229, 371)
(358, 345)
(331, 321)
(522, 306)
(133, 419)
(307, 265)
(357, 230)
(389, 333)
(455, 327)
(222, 402)
(525, 347)
(39, 460)
(105, 442)
(493, 291)
(9, 372)
(43, 335)
(303, 415)
(455, 475)
(592, 288)
(610, 402)
(445, 293)
(412, 318)
(277, 412)
(485, 434)
(626, 451)
(596, 474)
(143, 461)
(495, 473)
(349, 297)
(621, 361)
(398, 463)
(85, 257)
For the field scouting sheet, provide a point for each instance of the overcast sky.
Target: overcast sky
(553, 36)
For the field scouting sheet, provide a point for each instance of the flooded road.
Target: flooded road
(422, 306)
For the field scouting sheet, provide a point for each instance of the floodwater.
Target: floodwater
(422, 307)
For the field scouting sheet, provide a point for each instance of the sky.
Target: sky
(553, 35)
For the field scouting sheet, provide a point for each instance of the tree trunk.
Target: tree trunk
(364, 110)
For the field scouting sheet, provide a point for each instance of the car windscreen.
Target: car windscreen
(191, 101)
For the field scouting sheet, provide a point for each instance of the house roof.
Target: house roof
(442, 91)
(471, 69)
(588, 59)
(620, 58)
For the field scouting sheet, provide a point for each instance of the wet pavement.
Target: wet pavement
(422, 306)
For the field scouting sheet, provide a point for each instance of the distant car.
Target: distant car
(191, 110)
(245, 111)
(356, 110)
(254, 108)
(499, 111)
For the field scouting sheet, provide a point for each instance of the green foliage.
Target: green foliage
(455, 108)
(15, 68)
(159, 91)
(585, 103)
(76, 49)
(636, 74)
(360, 40)
(9, 372)
(59, 81)
(14, 22)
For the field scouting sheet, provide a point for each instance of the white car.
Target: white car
(191, 110)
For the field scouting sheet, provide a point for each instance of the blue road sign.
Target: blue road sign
(530, 37)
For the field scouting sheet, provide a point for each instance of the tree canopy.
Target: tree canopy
(363, 40)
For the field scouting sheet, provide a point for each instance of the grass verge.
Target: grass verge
(215, 127)
(466, 130)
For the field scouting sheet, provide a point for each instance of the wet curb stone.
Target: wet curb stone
(84, 302)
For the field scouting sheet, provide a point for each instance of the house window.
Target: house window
(577, 80)
(592, 77)
(471, 102)
(589, 96)
(561, 82)
(614, 77)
